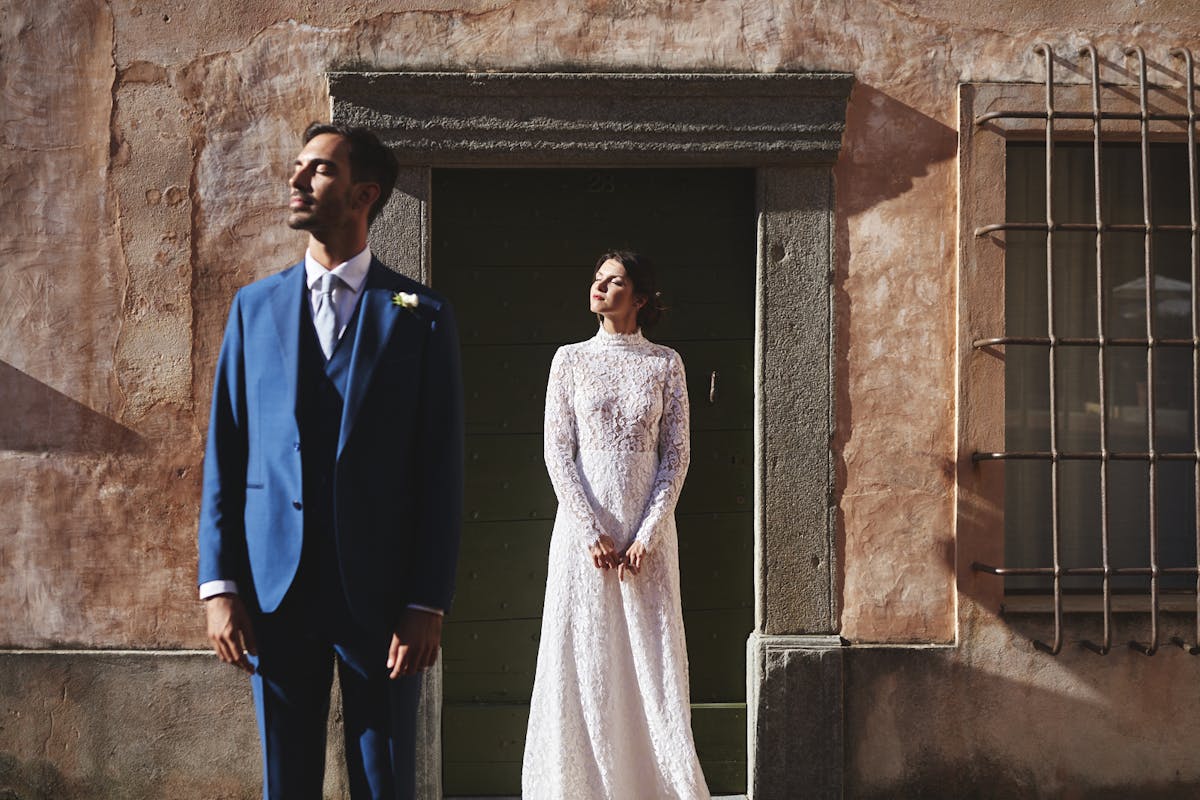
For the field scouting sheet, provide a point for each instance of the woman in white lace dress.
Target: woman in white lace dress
(610, 715)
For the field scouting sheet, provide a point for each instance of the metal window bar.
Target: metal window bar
(1106, 580)
(1144, 136)
(1106, 572)
(1194, 212)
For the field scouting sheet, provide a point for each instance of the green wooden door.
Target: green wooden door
(514, 251)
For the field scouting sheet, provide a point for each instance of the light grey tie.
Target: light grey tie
(325, 319)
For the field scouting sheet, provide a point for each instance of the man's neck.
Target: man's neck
(335, 250)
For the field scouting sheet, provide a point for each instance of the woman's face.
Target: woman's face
(612, 292)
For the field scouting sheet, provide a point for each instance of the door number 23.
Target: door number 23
(601, 182)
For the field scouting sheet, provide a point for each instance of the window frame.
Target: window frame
(990, 116)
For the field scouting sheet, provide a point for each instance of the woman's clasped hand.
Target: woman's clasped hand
(606, 556)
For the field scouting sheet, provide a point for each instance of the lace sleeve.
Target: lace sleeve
(674, 454)
(560, 444)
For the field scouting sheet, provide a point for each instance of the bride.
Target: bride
(610, 714)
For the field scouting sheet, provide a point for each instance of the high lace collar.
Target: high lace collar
(606, 339)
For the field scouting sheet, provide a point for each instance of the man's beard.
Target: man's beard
(301, 222)
(329, 215)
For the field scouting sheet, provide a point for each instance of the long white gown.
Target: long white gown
(610, 715)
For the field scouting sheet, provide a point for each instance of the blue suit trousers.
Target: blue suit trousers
(298, 646)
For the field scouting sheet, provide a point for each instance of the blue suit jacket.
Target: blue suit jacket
(398, 477)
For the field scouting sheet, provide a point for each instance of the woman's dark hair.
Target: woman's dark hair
(370, 159)
(640, 271)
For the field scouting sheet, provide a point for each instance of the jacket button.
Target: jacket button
(296, 504)
(296, 446)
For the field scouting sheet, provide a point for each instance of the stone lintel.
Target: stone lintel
(795, 717)
(579, 119)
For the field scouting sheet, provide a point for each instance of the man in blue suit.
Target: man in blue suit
(332, 499)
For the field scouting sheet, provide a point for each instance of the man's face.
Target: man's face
(322, 192)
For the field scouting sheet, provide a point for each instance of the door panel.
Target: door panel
(503, 574)
(498, 308)
(506, 477)
(514, 250)
(487, 750)
(508, 393)
(491, 661)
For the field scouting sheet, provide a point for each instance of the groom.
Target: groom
(332, 500)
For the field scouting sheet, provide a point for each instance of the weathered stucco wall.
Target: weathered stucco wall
(145, 147)
(999, 719)
(144, 151)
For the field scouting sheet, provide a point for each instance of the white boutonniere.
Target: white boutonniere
(406, 300)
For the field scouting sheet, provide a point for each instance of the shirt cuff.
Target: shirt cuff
(213, 588)
(427, 609)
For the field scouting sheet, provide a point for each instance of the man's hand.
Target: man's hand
(415, 643)
(229, 630)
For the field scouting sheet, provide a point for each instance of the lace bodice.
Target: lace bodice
(616, 393)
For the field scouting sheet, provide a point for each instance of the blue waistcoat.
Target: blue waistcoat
(321, 393)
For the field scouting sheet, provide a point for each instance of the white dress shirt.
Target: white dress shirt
(346, 293)
(345, 299)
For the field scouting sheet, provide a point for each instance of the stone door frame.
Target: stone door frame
(788, 127)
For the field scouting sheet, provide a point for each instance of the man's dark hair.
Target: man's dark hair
(370, 159)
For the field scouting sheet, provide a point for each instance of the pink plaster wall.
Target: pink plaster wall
(144, 152)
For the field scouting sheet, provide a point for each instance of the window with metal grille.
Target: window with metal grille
(1100, 349)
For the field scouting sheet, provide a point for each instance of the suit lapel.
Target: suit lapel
(376, 319)
(285, 309)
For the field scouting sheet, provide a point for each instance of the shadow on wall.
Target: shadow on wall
(921, 723)
(33, 780)
(39, 418)
(888, 145)
(41, 780)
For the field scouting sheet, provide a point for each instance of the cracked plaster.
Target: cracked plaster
(143, 149)
(144, 175)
